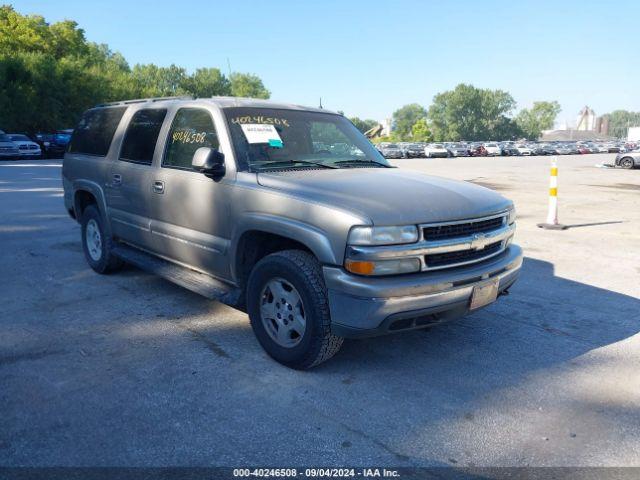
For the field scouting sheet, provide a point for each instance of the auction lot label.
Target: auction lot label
(224, 473)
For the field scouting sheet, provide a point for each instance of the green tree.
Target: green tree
(207, 82)
(469, 113)
(620, 121)
(363, 125)
(540, 117)
(420, 131)
(247, 85)
(153, 81)
(405, 117)
(50, 74)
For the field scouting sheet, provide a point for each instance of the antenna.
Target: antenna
(320, 102)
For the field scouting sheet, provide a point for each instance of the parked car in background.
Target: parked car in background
(583, 149)
(600, 148)
(563, 150)
(574, 150)
(540, 150)
(478, 151)
(44, 140)
(613, 148)
(458, 150)
(413, 150)
(60, 143)
(523, 149)
(432, 150)
(27, 148)
(391, 150)
(8, 149)
(493, 149)
(509, 150)
(628, 160)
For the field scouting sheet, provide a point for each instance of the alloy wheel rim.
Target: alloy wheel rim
(93, 239)
(282, 313)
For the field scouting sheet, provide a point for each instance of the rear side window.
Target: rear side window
(95, 131)
(141, 136)
(191, 129)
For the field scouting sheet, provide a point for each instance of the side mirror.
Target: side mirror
(209, 161)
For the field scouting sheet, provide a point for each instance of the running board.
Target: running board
(197, 282)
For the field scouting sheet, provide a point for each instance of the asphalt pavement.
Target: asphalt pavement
(130, 370)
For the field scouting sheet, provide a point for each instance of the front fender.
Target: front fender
(309, 235)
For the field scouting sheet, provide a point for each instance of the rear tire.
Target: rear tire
(96, 244)
(288, 307)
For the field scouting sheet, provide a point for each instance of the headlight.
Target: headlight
(383, 235)
(512, 216)
(383, 267)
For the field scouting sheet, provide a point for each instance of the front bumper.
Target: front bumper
(368, 306)
(30, 155)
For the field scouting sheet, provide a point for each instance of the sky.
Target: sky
(368, 58)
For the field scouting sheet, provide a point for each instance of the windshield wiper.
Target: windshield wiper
(368, 162)
(284, 163)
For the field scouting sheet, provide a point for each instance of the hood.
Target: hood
(25, 142)
(389, 196)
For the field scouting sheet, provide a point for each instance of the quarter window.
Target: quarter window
(95, 131)
(142, 135)
(191, 129)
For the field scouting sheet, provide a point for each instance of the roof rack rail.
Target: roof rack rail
(143, 100)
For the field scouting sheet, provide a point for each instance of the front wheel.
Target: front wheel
(289, 310)
(626, 162)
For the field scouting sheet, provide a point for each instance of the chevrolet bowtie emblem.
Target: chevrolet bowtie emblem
(478, 241)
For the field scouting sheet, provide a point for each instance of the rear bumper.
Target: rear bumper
(365, 306)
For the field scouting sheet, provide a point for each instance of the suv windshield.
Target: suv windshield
(267, 139)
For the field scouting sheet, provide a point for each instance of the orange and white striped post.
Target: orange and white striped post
(552, 214)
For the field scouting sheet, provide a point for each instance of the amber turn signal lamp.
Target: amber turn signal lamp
(360, 268)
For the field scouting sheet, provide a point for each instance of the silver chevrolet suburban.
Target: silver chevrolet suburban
(288, 213)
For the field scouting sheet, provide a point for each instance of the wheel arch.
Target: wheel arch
(266, 234)
(89, 193)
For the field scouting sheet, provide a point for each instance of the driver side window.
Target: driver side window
(191, 129)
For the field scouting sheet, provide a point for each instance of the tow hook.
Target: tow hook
(504, 292)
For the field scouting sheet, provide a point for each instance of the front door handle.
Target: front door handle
(158, 186)
(117, 180)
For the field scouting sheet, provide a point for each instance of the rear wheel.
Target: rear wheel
(289, 309)
(97, 246)
(626, 162)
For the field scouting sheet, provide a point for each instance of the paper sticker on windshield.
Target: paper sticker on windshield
(260, 133)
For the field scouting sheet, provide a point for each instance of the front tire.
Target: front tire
(627, 162)
(96, 244)
(288, 308)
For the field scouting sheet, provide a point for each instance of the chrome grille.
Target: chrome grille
(461, 256)
(452, 244)
(437, 232)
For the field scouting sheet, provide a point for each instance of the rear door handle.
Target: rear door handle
(117, 180)
(158, 186)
